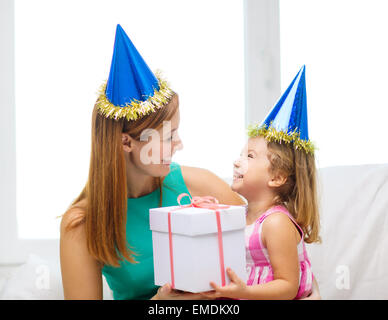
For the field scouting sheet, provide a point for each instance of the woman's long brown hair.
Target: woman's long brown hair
(299, 193)
(105, 192)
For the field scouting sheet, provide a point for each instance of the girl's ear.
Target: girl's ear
(127, 142)
(277, 180)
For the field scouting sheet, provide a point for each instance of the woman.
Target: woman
(105, 231)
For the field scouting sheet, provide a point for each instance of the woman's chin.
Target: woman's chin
(158, 170)
(164, 169)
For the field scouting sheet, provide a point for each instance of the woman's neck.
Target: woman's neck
(139, 184)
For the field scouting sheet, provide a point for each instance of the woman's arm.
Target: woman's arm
(81, 273)
(202, 182)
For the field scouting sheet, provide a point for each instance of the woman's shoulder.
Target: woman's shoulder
(203, 182)
(193, 174)
(73, 219)
(200, 180)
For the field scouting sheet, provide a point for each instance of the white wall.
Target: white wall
(7, 126)
(12, 249)
(262, 58)
(342, 45)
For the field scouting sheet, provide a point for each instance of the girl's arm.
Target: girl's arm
(202, 182)
(81, 273)
(315, 294)
(280, 237)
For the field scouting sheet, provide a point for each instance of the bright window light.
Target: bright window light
(343, 45)
(63, 54)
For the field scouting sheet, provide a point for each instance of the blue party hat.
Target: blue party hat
(287, 121)
(132, 90)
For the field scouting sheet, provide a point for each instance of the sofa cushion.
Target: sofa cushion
(352, 261)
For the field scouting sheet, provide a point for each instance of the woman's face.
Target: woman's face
(153, 153)
(251, 169)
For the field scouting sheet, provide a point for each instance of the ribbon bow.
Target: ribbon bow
(206, 202)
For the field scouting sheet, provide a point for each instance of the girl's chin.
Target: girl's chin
(236, 185)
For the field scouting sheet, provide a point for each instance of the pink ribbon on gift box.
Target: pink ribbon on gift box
(207, 202)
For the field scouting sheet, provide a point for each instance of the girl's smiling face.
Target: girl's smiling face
(251, 172)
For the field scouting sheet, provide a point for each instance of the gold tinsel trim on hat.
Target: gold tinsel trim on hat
(136, 109)
(271, 134)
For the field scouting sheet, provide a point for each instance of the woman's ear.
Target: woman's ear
(127, 142)
(277, 180)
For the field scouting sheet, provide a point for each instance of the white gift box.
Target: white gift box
(195, 246)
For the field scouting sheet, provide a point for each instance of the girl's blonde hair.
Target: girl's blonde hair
(299, 193)
(105, 192)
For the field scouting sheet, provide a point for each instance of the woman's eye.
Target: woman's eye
(172, 136)
(250, 155)
(169, 138)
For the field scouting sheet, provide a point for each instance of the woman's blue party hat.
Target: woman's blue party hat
(287, 121)
(132, 90)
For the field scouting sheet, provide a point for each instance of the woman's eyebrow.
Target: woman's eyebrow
(172, 131)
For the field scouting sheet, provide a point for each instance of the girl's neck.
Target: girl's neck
(257, 207)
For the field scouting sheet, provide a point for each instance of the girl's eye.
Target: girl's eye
(250, 155)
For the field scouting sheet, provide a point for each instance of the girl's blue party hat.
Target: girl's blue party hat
(287, 121)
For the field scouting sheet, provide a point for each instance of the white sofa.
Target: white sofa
(351, 262)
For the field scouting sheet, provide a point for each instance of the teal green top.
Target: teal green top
(136, 280)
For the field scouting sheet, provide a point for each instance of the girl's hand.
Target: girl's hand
(167, 293)
(236, 289)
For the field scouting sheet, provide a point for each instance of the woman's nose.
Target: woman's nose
(177, 144)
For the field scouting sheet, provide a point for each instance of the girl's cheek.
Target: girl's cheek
(244, 166)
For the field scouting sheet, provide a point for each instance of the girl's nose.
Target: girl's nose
(236, 163)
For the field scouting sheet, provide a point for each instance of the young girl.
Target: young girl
(276, 174)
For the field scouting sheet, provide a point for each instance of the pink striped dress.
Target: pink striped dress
(259, 268)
